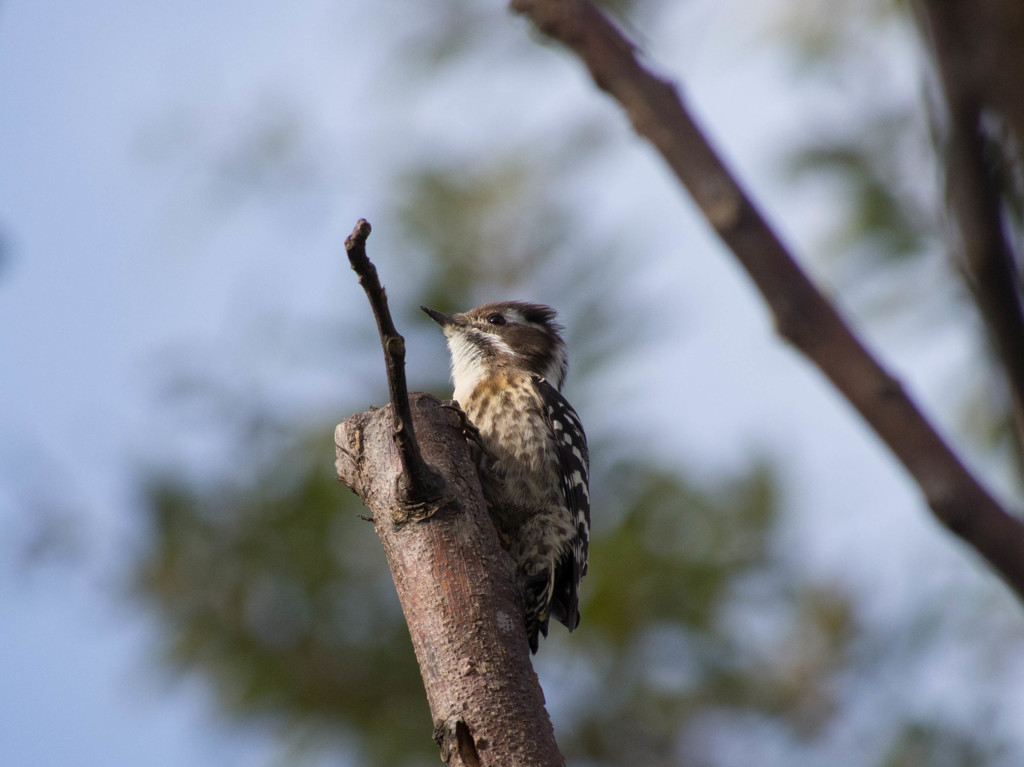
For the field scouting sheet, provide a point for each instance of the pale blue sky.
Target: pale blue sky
(115, 262)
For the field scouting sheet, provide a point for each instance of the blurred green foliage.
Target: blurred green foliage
(277, 589)
(886, 218)
(927, 746)
(280, 593)
(695, 625)
(267, 580)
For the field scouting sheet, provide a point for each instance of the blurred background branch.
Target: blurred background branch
(803, 316)
(981, 125)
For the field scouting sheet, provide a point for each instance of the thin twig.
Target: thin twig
(802, 314)
(424, 487)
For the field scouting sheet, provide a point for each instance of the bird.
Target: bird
(508, 364)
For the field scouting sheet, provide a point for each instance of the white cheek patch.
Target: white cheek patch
(516, 316)
(500, 345)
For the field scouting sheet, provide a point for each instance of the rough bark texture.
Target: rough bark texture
(457, 589)
(802, 314)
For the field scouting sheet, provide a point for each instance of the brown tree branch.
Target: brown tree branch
(802, 314)
(457, 587)
(458, 593)
(423, 488)
(971, 184)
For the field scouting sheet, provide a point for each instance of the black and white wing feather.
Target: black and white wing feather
(574, 462)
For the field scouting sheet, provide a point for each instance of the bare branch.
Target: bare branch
(973, 189)
(458, 592)
(802, 314)
(424, 488)
(457, 587)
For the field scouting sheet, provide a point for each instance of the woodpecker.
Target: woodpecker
(508, 364)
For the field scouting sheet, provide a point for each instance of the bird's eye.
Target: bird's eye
(496, 319)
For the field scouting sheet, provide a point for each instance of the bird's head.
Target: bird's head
(503, 336)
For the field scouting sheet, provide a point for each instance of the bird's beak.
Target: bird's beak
(440, 318)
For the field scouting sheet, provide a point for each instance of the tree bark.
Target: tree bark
(457, 589)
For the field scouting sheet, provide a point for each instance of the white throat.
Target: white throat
(468, 368)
